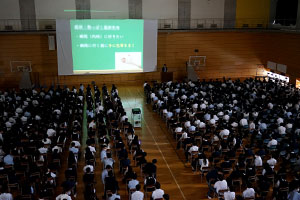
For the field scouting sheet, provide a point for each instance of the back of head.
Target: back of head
(134, 176)
(166, 197)
(88, 170)
(157, 185)
(138, 187)
(108, 167)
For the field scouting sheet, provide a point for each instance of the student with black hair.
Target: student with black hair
(157, 193)
(137, 195)
(150, 168)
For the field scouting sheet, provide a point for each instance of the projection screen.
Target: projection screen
(96, 46)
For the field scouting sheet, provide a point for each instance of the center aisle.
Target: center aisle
(176, 179)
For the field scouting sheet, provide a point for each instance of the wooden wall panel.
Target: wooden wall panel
(229, 54)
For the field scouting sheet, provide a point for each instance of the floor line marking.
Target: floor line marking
(156, 144)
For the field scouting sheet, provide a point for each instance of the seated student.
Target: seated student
(258, 161)
(63, 197)
(4, 194)
(262, 184)
(125, 162)
(103, 154)
(73, 148)
(69, 186)
(111, 182)
(249, 192)
(192, 149)
(88, 177)
(272, 162)
(203, 161)
(294, 192)
(149, 181)
(226, 163)
(150, 168)
(88, 165)
(230, 194)
(114, 196)
(90, 192)
(72, 160)
(134, 143)
(221, 184)
(108, 160)
(166, 197)
(71, 172)
(133, 183)
(157, 193)
(137, 195)
(105, 172)
(142, 160)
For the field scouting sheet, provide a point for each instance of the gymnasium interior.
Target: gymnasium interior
(149, 99)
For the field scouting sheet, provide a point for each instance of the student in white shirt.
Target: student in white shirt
(114, 195)
(221, 185)
(224, 132)
(203, 161)
(133, 183)
(272, 142)
(88, 166)
(272, 162)
(63, 197)
(7, 196)
(249, 192)
(157, 193)
(258, 161)
(230, 194)
(137, 195)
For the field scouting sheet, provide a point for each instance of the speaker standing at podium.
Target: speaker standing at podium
(164, 68)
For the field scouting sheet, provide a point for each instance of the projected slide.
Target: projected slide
(107, 46)
(94, 46)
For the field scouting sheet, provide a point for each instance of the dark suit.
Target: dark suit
(164, 69)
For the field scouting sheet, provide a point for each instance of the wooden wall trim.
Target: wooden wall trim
(230, 54)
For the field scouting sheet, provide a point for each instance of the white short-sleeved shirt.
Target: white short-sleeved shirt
(137, 195)
(187, 124)
(272, 162)
(249, 192)
(158, 194)
(229, 195)
(224, 132)
(63, 196)
(221, 185)
(279, 120)
(178, 129)
(193, 148)
(132, 184)
(6, 196)
(88, 166)
(272, 143)
(258, 161)
(202, 125)
(243, 122)
(51, 132)
(281, 130)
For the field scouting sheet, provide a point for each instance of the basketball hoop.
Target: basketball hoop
(20, 66)
(197, 61)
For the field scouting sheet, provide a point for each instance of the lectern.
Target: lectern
(166, 76)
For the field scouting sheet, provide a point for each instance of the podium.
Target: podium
(136, 117)
(166, 76)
